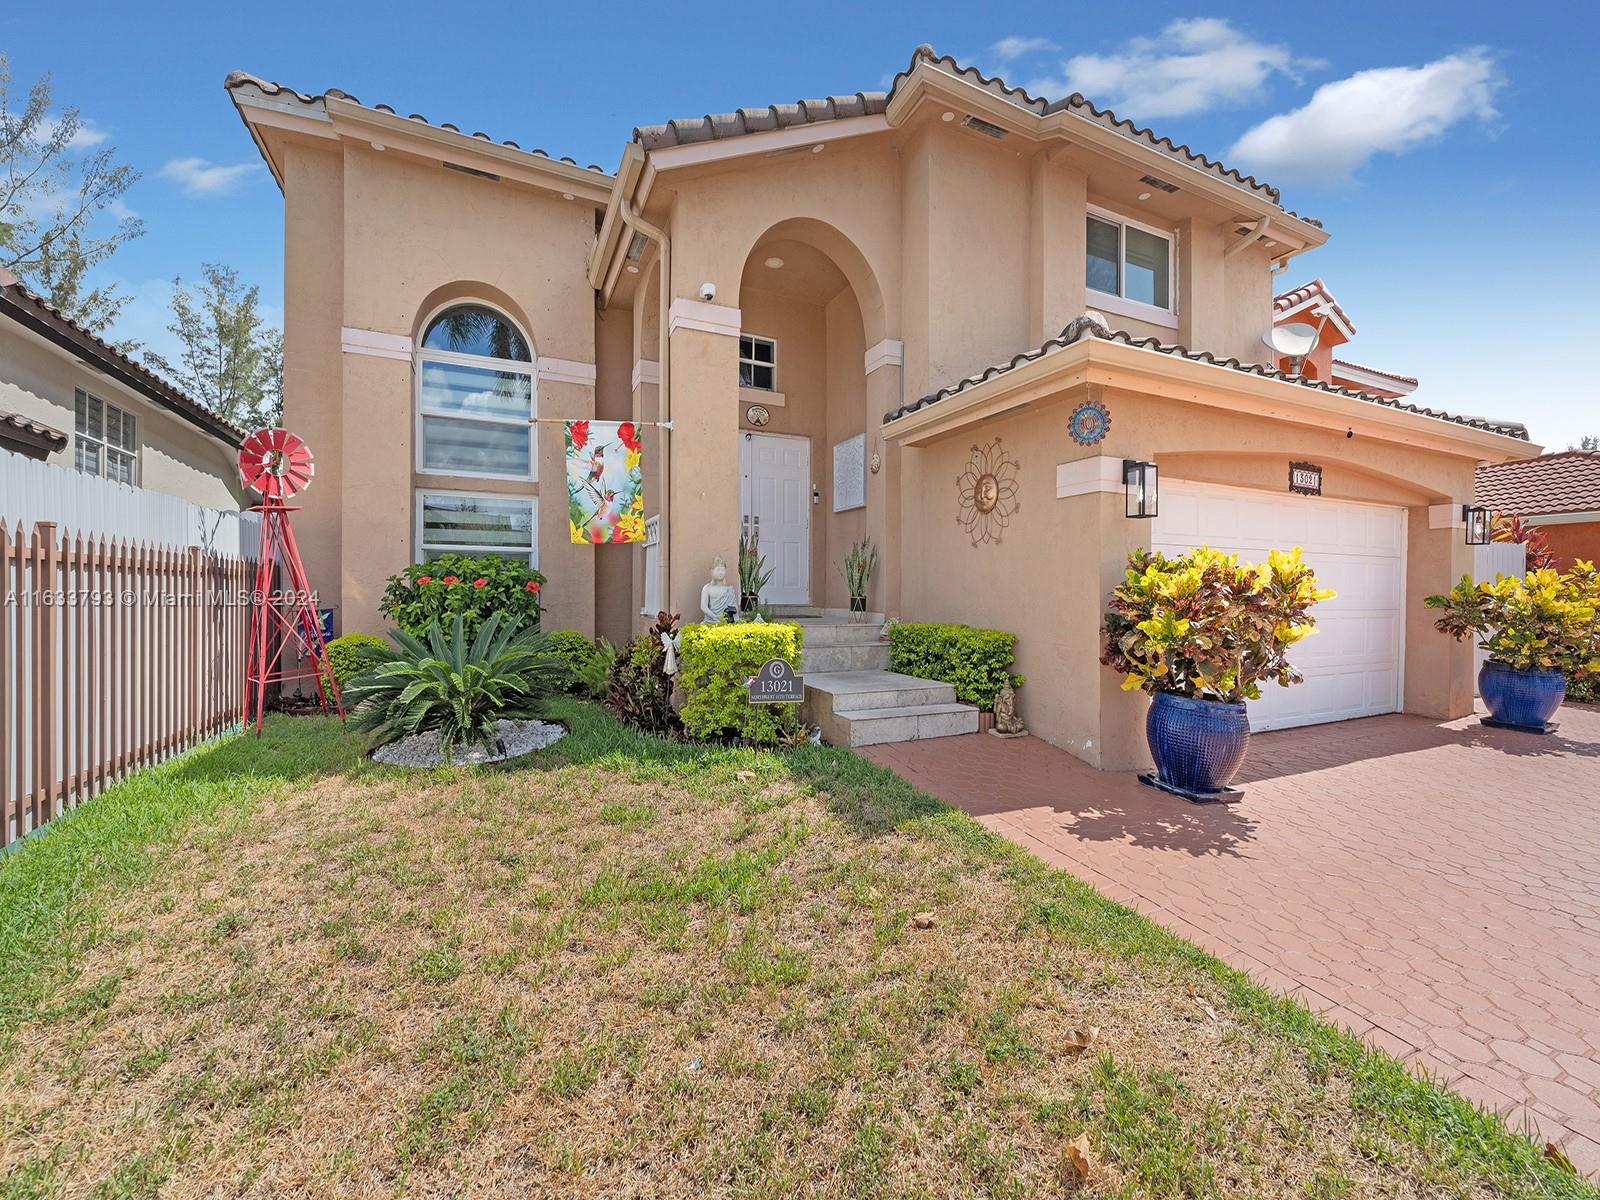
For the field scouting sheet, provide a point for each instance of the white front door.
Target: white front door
(775, 486)
(1352, 662)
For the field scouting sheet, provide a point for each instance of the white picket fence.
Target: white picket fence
(85, 504)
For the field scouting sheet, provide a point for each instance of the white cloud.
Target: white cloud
(85, 136)
(1194, 64)
(199, 177)
(1009, 49)
(1385, 110)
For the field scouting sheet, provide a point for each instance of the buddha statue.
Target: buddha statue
(718, 597)
(1007, 724)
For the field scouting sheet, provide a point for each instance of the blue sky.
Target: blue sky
(1449, 147)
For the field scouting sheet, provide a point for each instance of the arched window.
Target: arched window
(475, 397)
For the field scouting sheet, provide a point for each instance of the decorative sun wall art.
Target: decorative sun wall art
(987, 491)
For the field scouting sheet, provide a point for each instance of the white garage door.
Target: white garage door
(1352, 664)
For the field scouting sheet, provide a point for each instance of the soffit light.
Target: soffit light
(1141, 483)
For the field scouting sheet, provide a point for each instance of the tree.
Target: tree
(1588, 441)
(50, 197)
(231, 360)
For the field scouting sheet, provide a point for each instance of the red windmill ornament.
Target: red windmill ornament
(277, 465)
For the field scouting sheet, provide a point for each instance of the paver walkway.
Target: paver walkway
(1432, 887)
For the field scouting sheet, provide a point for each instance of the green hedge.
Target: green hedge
(576, 653)
(347, 654)
(713, 668)
(976, 661)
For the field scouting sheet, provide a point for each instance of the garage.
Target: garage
(1352, 664)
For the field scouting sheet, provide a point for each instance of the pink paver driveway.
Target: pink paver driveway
(1432, 887)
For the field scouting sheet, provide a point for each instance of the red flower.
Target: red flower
(629, 435)
(599, 535)
(578, 431)
(619, 534)
(480, 583)
(450, 579)
(424, 579)
(531, 586)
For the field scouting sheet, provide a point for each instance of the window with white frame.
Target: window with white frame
(758, 362)
(1129, 261)
(475, 397)
(463, 523)
(106, 441)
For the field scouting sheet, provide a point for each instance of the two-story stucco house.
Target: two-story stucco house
(70, 399)
(862, 316)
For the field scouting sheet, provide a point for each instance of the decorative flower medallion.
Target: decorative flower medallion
(987, 490)
(1089, 422)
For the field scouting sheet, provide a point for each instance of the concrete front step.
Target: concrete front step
(835, 633)
(868, 707)
(833, 659)
(806, 612)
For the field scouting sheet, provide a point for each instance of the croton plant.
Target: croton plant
(1546, 619)
(1205, 625)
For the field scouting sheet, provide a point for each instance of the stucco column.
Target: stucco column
(885, 386)
(1202, 317)
(1056, 234)
(1440, 680)
(703, 517)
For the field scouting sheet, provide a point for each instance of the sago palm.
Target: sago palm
(451, 685)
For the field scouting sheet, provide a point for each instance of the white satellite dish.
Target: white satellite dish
(1293, 340)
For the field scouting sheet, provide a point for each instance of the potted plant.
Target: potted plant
(1201, 633)
(859, 564)
(1539, 630)
(754, 574)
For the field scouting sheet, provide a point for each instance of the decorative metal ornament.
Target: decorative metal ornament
(758, 415)
(877, 462)
(987, 491)
(1089, 423)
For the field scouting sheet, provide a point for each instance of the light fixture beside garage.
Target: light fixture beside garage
(1477, 521)
(1141, 483)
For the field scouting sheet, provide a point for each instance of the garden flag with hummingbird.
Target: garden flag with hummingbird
(605, 485)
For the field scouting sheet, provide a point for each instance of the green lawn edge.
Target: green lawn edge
(49, 882)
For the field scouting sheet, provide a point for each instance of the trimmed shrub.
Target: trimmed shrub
(638, 688)
(350, 653)
(434, 592)
(713, 668)
(977, 662)
(577, 654)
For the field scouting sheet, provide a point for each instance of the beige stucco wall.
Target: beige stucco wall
(38, 380)
(378, 242)
(1047, 580)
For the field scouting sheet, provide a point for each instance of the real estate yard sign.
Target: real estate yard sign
(605, 483)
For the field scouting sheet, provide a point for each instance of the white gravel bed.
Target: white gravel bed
(518, 738)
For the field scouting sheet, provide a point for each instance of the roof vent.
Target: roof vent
(977, 125)
(1152, 181)
(450, 166)
(636, 247)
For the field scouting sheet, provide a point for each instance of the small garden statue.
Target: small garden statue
(718, 597)
(1007, 724)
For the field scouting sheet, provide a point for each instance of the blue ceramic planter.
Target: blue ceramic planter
(1198, 745)
(1522, 699)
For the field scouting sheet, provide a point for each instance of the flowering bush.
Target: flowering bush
(1542, 620)
(1208, 626)
(435, 591)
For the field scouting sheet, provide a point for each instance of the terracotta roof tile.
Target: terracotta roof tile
(1306, 291)
(46, 433)
(27, 308)
(713, 127)
(1345, 362)
(1552, 483)
(1088, 326)
(237, 79)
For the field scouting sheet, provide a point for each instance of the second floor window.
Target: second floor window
(106, 439)
(758, 362)
(1129, 261)
(475, 395)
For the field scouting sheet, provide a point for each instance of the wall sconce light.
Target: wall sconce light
(1140, 480)
(1477, 522)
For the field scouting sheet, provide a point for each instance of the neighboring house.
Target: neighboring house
(1557, 493)
(70, 399)
(1313, 304)
(861, 315)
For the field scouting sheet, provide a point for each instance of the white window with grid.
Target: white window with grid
(106, 439)
(467, 523)
(476, 397)
(1129, 268)
(758, 362)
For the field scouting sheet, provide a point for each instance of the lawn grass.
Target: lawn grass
(624, 966)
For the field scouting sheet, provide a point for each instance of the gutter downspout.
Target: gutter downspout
(663, 389)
